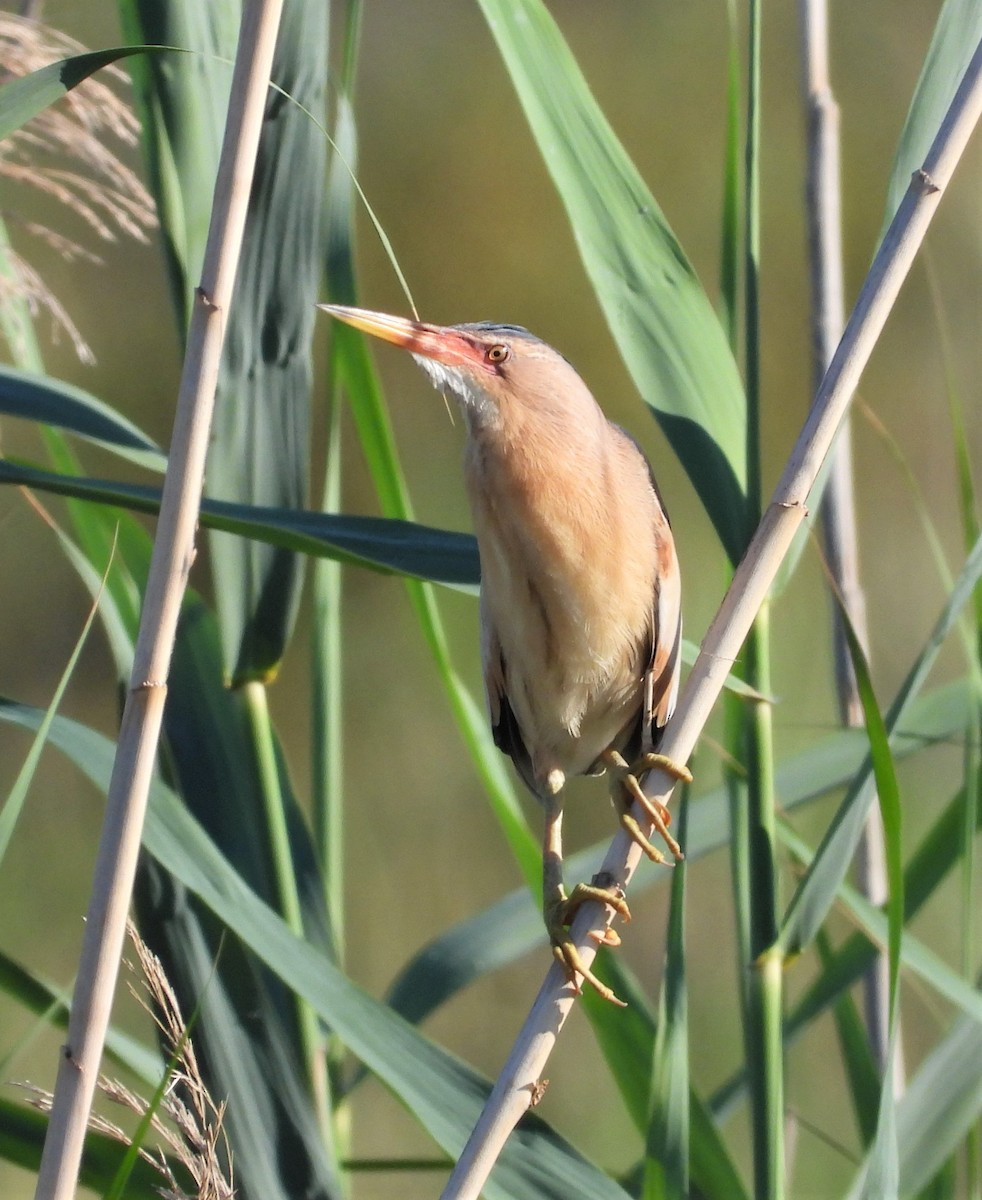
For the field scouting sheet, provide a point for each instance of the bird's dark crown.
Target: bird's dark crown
(483, 328)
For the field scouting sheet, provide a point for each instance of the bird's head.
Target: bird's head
(494, 369)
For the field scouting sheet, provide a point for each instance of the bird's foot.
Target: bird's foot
(559, 914)
(627, 789)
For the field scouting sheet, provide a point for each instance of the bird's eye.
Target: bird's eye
(497, 353)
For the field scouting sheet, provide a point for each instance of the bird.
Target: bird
(580, 601)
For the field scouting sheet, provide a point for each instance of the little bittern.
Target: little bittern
(581, 619)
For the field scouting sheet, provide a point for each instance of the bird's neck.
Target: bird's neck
(542, 449)
(544, 480)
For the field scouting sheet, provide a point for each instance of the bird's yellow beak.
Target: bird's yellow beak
(442, 343)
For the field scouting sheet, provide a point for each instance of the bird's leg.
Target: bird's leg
(559, 909)
(626, 789)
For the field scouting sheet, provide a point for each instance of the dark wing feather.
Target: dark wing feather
(508, 738)
(504, 725)
(662, 676)
(661, 680)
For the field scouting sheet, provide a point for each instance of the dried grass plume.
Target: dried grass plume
(66, 154)
(188, 1122)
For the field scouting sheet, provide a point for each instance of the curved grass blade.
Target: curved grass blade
(441, 1091)
(327, 626)
(182, 103)
(917, 957)
(24, 98)
(382, 544)
(512, 926)
(54, 402)
(929, 865)
(16, 319)
(882, 1168)
(52, 1003)
(244, 1035)
(117, 605)
(628, 1045)
(454, 558)
(956, 35)
(816, 893)
(667, 1149)
(942, 1103)
(729, 270)
(250, 1028)
(97, 529)
(260, 440)
(734, 684)
(14, 804)
(22, 1134)
(261, 430)
(854, 1050)
(269, 1121)
(661, 319)
(260, 445)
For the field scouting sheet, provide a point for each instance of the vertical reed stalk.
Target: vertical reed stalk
(326, 702)
(764, 990)
(758, 864)
(254, 699)
(172, 557)
(824, 217)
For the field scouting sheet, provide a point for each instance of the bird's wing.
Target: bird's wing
(662, 676)
(493, 663)
(504, 725)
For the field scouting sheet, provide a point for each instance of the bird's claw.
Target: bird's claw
(627, 789)
(606, 937)
(648, 762)
(560, 913)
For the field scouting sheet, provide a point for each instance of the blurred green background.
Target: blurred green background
(450, 168)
